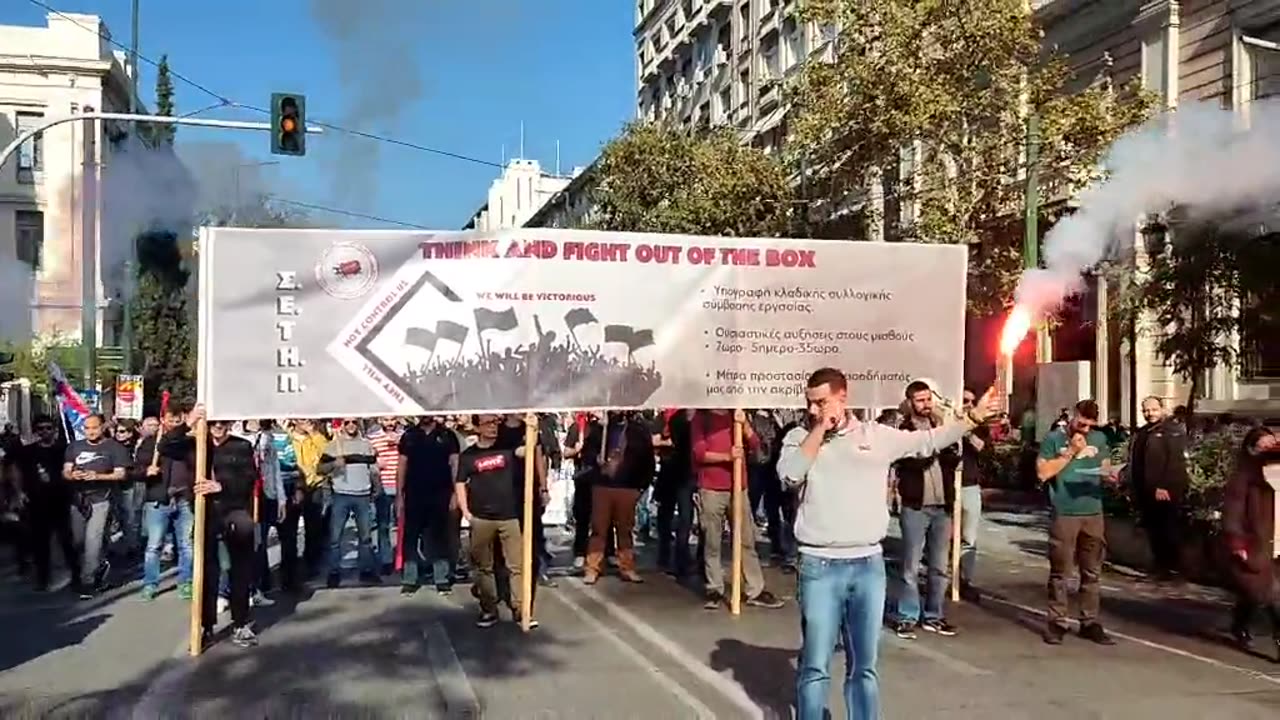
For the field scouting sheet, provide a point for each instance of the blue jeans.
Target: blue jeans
(845, 597)
(343, 506)
(158, 518)
(384, 509)
(927, 529)
(970, 521)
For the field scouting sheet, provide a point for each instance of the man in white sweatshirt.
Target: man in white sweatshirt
(841, 466)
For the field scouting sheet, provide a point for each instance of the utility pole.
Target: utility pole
(130, 263)
(1031, 234)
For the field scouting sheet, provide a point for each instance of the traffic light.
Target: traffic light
(6, 358)
(288, 124)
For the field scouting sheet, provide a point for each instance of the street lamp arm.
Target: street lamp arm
(158, 119)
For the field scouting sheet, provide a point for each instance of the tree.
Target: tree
(657, 178)
(945, 88)
(153, 134)
(163, 332)
(1211, 285)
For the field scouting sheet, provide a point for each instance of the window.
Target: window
(724, 103)
(744, 86)
(794, 33)
(769, 63)
(31, 154)
(1155, 62)
(28, 226)
(744, 21)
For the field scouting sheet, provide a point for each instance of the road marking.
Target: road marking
(730, 689)
(675, 688)
(1256, 675)
(459, 697)
(165, 694)
(952, 663)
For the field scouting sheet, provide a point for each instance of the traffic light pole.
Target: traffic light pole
(88, 302)
(17, 142)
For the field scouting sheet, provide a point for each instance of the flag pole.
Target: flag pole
(197, 547)
(526, 537)
(735, 586)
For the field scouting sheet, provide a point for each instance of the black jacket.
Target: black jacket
(232, 464)
(911, 473)
(176, 473)
(1159, 460)
(635, 472)
(974, 462)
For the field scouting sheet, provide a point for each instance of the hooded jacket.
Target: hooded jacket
(231, 463)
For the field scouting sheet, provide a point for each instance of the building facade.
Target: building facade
(53, 254)
(516, 195)
(1224, 52)
(721, 62)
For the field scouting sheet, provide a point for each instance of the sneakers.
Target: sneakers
(590, 578)
(579, 563)
(444, 589)
(1095, 633)
(766, 600)
(244, 637)
(257, 599)
(714, 600)
(1054, 634)
(407, 590)
(333, 581)
(223, 605)
(631, 576)
(149, 593)
(904, 630)
(487, 620)
(939, 627)
(184, 591)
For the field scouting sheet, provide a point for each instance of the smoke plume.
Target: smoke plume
(375, 44)
(1200, 159)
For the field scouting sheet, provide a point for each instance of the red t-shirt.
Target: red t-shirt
(713, 433)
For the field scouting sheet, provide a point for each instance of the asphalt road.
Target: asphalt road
(623, 651)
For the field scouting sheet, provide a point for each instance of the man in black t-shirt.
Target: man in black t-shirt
(39, 476)
(424, 487)
(487, 495)
(95, 466)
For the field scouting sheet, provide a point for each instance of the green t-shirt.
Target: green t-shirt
(1077, 490)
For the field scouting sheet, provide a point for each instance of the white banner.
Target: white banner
(329, 323)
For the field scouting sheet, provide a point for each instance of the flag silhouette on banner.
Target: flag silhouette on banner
(579, 316)
(421, 337)
(501, 320)
(629, 336)
(452, 331)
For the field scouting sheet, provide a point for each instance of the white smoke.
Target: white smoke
(1201, 159)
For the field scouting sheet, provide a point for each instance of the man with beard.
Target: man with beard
(39, 475)
(1160, 480)
(488, 477)
(166, 503)
(95, 465)
(427, 466)
(230, 480)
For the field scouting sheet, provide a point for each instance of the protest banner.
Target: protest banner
(337, 323)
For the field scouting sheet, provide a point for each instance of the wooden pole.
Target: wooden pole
(197, 541)
(736, 507)
(526, 537)
(955, 540)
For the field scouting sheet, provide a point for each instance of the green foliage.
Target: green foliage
(656, 178)
(1206, 285)
(164, 337)
(31, 361)
(945, 87)
(164, 134)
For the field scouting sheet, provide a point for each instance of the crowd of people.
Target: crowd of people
(538, 373)
(822, 483)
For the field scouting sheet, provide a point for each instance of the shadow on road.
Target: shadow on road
(767, 674)
(57, 629)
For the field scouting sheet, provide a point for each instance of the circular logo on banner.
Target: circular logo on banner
(347, 270)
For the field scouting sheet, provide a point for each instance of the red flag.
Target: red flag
(399, 541)
(164, 404)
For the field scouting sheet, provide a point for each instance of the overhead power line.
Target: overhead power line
(346, 213)
(223, 100)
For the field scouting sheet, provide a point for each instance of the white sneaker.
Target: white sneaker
(579, 563)
(223, 605)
